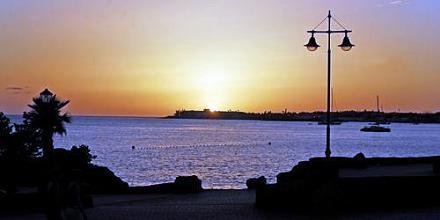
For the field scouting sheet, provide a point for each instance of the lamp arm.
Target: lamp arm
(331, 32)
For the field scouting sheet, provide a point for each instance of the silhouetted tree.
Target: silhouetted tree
(17, 142)
(24, 143)
(46, 118)
(5, 132)
(75, 158)
(18, 147)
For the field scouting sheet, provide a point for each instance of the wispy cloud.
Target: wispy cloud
(16, 90)
(393, 3)
(399, 2)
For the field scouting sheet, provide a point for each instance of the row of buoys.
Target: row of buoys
(202, 145)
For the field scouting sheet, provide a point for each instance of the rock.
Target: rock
(156, 188)
(103, 180)
(254, 183)
(182, 184)
(360, 161)
(187, 184)
(359, 156)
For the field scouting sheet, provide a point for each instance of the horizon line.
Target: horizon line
(162, 116)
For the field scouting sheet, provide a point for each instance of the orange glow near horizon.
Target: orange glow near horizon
(149, 58)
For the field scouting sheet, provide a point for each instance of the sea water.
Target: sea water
(225, 153)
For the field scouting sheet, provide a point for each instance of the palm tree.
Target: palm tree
(46, 118)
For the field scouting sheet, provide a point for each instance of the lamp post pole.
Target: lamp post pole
(329, 69)
(345, 46)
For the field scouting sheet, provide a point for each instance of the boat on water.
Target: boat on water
(382, 120)
(380, 123)
(331, 123)
(375, 128)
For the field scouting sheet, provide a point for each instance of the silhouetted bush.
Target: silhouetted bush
(82, 153)
(24, 143)
(75, 158)
(18, 155)
(254, 183)
(5, 132)
(17, 142)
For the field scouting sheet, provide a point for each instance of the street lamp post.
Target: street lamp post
(313, 46)
(46, 95)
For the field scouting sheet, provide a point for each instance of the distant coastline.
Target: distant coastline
(317, 116)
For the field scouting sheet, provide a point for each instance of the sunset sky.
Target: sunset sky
(149, 58)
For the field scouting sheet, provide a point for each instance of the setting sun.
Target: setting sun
(213, 107)
(214, 85)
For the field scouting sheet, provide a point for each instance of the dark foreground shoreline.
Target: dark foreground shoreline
(337, 187)
(212, 204)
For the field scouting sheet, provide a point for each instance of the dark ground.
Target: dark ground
(211, 204)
